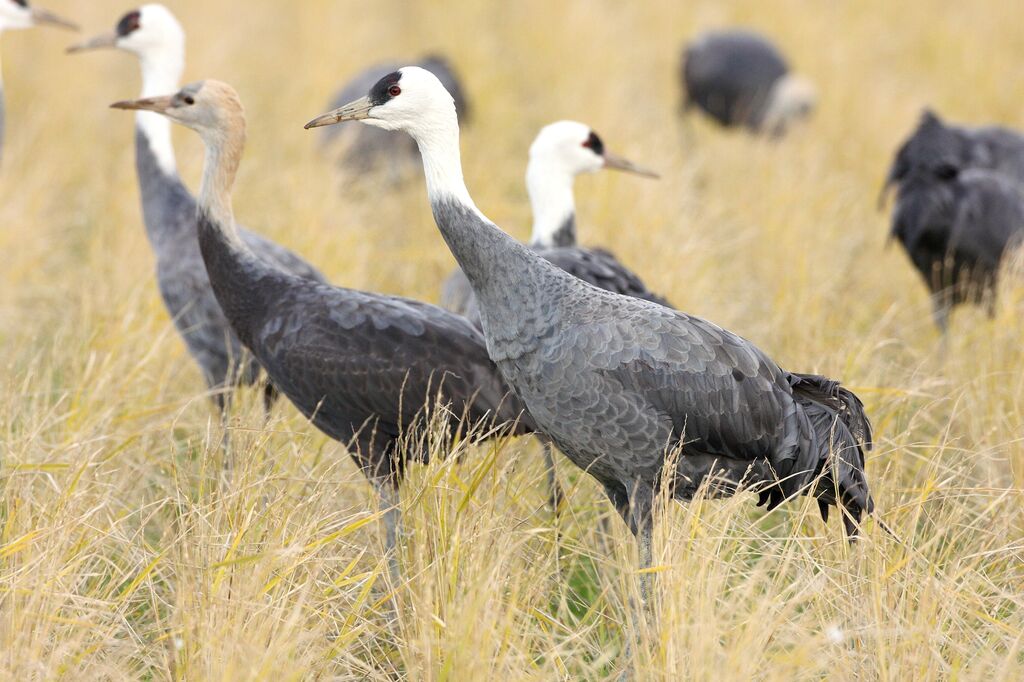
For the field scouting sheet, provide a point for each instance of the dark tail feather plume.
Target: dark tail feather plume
(840, 432)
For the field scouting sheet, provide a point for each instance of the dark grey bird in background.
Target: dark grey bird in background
(169, 210)
(15, 15)
(958, 209)
(618, 383)
(363, 367)
(561, 151)
(936, 146)
(740, 78)
(956, 227)
(370, 149)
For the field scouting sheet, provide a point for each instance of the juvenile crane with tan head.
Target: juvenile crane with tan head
(620, 384)
(562, 151)
(155, 37)
(16, 15)
(363, 367)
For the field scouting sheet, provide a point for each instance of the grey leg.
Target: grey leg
(555, 494)
(642, 525)
(392, 525)
(940, 312)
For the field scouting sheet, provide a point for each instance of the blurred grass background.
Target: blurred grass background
(128, 551)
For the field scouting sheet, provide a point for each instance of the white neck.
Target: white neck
(161, 73)
(442, 164)
(551, 197)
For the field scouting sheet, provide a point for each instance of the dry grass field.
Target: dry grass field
(129, 549)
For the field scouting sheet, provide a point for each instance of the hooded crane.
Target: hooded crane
(153, 35)
(935, 146)
(618, 383)
(739, 78)
(959, 208)
(956, 226)
(18, 14)
(562, 151)
(361, 366)
(368, 149)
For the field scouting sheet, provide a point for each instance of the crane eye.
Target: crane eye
(189, 100)
(394, 91)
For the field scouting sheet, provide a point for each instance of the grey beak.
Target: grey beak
(885, 193)
(618, 163)
(104, 40)
(353, 111)
(157, 104)
(45, 17)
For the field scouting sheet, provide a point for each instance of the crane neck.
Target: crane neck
(161, 73)
(224, 148)
(554, 205)
(495, 264)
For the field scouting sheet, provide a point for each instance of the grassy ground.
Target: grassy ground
(127, 550)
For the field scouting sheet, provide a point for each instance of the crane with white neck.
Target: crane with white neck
(155, 37)
(562, 151)
(634, 393)
(17, 15)
(363, 367)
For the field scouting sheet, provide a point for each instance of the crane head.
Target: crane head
(570, 148)
(148, 30)
(410, 99)
(208, 107)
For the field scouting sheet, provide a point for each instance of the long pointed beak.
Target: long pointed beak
(618, 163)
(353, 111)
(42, 16)
(157, 104)
(104, 40)
(885, 193)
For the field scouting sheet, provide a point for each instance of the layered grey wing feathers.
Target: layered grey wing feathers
(348, 358)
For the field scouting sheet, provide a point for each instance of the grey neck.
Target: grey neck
(168, 208)
(490, 258)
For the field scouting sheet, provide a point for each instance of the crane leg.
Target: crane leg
(392, 526)
(940, 312)
(269, 397)
(555, 494)
(642, 524)
(222, 398)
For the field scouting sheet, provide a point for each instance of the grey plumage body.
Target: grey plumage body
(594, 266)
(730, 75)
(361, 366)
(618, 382)
(371, 149)
(169, 213)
